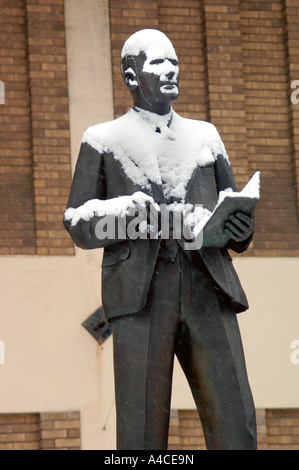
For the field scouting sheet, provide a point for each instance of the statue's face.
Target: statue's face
(156, 81)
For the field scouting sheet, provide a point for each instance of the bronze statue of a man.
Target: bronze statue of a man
(161, 297)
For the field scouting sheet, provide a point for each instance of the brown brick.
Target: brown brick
(70, 443)
(72, 433)
(37, 431)
(54, 434)
(67, 424)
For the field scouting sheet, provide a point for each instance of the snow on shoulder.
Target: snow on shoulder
(168, 157)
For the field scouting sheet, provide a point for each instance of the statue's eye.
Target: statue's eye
(173, 61)
(157, 61)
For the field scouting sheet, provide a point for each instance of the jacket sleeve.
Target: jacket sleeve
(225, 179)
(89, 183)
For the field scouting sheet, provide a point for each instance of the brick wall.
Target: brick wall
(269, 130)
(283, 429)
(291, 30)
(185, 431)
(19, 432)
(237, 59)
(276, 430)
(17, 232)
(60, 431)
(35, 147)
(40, 431)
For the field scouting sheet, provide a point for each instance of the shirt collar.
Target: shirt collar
(156, 121)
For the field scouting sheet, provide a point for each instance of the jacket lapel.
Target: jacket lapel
(196, 176)
(158, 193)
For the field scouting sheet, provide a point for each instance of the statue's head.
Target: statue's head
(150, 70)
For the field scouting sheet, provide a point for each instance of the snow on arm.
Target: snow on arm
(118, 206)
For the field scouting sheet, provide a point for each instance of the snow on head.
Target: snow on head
(152, 42)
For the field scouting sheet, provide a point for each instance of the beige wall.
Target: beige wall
(51, 362)
(270, 327)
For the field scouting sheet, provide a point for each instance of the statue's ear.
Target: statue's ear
(131, 79)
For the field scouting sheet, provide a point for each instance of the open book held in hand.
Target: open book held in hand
(229, 203)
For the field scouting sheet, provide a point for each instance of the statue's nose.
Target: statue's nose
(170, 75)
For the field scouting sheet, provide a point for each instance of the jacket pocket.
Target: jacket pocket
(115, 254)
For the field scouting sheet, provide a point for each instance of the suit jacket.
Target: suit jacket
(108, 167)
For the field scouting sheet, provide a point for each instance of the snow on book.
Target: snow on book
(229, 202)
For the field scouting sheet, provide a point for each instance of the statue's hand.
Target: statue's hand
(239, 227)
(142, 212)
(143, 203)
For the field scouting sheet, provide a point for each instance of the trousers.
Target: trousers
(186, 316)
